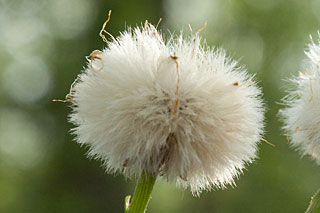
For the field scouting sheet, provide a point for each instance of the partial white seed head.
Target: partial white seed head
(302, 116)
(173, 109)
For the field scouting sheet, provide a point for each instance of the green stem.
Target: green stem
(314, 206)
(141, 195)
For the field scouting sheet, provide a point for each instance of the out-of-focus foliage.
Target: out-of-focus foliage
(42, 49)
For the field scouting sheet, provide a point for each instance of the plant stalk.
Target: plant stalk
(141, 195)
(314, 206)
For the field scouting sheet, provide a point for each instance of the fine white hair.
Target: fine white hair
(302, 115)
(173, 109)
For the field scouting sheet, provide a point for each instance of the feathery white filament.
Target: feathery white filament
(302, 116)
(172, 108)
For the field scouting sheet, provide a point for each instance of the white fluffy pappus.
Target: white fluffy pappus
(173, 109)
(302, 115)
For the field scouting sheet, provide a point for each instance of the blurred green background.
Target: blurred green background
(43, 45)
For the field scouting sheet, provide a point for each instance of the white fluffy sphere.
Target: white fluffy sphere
(173, 109)
(302, 116)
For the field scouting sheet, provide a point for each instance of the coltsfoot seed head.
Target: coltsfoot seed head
(173, 109)
(302, 115)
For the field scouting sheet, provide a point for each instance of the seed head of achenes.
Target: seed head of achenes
(302, 115)
(171, 108)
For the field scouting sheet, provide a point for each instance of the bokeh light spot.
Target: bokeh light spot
(26, 80)
(69, 18)
(21, 141)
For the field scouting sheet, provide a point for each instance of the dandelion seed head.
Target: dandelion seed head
(175, 108)
(302, 115)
